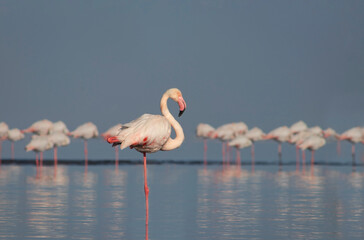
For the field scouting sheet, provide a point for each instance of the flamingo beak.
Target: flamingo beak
(182, 106)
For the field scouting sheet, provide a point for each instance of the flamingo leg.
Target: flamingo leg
(12, 151)
(146, 189)
(227, 154)
(312, 157)
(55, 160)
(303, 161)
(223, 153)
(238, 160)
(41, 162)
(253, 157)
(338, 147)
(297, 159)
(353, 154)
(280, 153)
(36, 164)
(205, 152)
(86, 153)
(116, 158)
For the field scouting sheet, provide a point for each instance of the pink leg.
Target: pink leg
(312, 157)
(238, 160)
(116, 158)
(227, 154)
(36, 165)
(353, 154)
(303, 161)
(41, 162)
(146, 189)
(297, 159)
(280, 153)
(205, 152)
(86, 153)
(12, 151)
(338, 147)
(55, 160)
(223, 153)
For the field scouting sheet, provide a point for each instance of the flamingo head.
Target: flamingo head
(176, 96)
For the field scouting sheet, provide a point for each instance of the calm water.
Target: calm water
(186, 202)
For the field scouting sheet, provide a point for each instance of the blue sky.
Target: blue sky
(267, 63)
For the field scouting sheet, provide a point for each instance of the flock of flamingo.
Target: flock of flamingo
(303, 137)
(151, 133)
(146, 134)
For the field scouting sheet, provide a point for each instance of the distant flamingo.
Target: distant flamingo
(240, 142)
(3, 134)
(39, 144)
(297, 139)
(151, 133)
(85, 131)
(312, 143)
(281, 134)
(58, 139)
(331, 134)
(205, 131)
(59, 127)
(298, 127)
(254, 134)
(112, 132)
(14, 135)
(228, 132)
(353, 135)
(41, 127)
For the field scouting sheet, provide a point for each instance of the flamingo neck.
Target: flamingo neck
(177, 141)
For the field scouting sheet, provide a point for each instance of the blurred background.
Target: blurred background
(267, 63)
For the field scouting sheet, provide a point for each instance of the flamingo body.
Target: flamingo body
(59, 127)
(111, 132)
(15, 135)
(298, 127)
(3, 130)
(41, 127)
(204, 130)
(85, 131)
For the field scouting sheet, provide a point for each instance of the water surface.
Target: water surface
(186, 202)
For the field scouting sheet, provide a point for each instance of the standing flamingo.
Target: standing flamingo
(151, 133)
(353, 135)
(41, 127)
(254, 134)
(39, 144)
(312, 143)
(298, 127)
(240, 142)
(85, 131)
(58, 139)
(331, 134)
(59, 127)
(14, 135)
(281, 134)
(112, 132)
(3, 134)
(204, 131)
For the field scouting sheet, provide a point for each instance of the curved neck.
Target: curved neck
(176, 142)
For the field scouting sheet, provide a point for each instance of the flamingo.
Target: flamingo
(205, 131)
(280, 134)
(39, 144)
(353, 135)
(240, 142)
(59, 127)
(151, 133)
(14, 135)
(312, 143)
(298, 127)
(331, 134)
(254, 134)
(112, 132)
(3, 134)
(58, 139)
(41, 127)
(85, 131)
